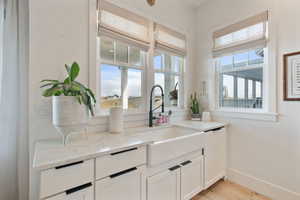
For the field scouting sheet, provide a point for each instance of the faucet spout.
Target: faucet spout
(151, 117)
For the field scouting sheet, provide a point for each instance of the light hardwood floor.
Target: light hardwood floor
(224, 190)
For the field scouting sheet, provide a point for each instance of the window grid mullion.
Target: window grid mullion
(235, 82)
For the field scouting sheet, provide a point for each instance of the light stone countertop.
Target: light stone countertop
(50, 153)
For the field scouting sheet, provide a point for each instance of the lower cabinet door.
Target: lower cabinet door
(82, 192)
(191, 178)
(127, 184)
(215, 156)
(165, 185)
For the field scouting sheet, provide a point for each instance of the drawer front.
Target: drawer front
(118, 161)
(162, 152)
(127, 184)
(83, 192)
(62, 178)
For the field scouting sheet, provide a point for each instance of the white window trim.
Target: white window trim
(269, 111)
(181, 74)
(93, 80)
(124, 79)
(250, 115)
(251, 110)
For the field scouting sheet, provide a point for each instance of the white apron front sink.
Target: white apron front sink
(173, 142)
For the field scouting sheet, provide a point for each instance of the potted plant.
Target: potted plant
(71, 102)
(174, 95)
(195, 107)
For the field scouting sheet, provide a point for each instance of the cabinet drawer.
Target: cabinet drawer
(62, 178)
(118, 161)
(83, 192)
(127, 184)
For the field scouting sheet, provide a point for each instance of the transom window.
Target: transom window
(122, 73)
(240, 52)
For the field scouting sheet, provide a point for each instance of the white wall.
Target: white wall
(264, 156)
(59, 35)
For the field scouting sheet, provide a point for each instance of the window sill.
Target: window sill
(249, 114)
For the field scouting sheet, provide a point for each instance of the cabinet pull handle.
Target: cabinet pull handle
(68, 165)
(174, 168)
(215, 129)
(76, 189)
(119, 152)
(186, 162)
(123, 172)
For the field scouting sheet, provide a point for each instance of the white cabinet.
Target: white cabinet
(127, 184)
(191, 178)
(118, 161)
(82, 192)
(215, 156)
(64, 177)
(164, 185)
(123, 174)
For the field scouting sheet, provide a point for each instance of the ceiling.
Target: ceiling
(195, 3)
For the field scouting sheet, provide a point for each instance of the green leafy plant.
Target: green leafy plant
(195, 108)
(70, 87)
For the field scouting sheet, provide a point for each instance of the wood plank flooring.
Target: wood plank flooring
(225, 190)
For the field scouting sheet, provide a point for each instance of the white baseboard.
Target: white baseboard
(214, 180)
(268, 189)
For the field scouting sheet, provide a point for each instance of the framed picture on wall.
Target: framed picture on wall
(291, 79)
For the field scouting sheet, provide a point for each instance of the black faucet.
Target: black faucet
(151, 117)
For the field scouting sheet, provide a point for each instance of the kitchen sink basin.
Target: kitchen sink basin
(173, 142)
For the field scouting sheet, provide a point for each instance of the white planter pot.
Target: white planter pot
(68, 115)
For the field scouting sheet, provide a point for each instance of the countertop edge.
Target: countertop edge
(86, 157)
(45, 166)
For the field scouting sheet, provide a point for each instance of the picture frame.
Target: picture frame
(291, 76)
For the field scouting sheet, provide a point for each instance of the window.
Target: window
(121, 77)
(168, 73)
(240, 52)
(122, 70)
(240, 79)
(249, 33)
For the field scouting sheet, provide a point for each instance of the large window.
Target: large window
(125, 73)
(168, 73)
(240, 52)
(121, 75)
(240, 78)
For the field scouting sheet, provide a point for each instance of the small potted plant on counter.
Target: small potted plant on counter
(71, 102)
(195, 108)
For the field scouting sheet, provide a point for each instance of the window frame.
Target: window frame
(94, 61)
(235, 84)
(124, 76)
(269, 113)
(180, 74)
